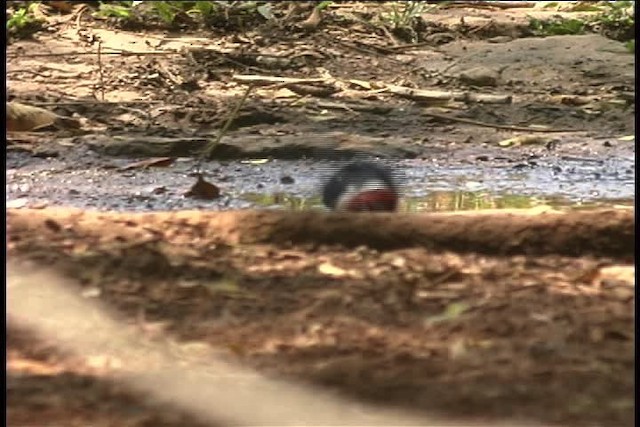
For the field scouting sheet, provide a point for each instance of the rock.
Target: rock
(480, 76)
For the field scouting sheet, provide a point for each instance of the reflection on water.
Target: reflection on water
(444, 201)
(426, 186)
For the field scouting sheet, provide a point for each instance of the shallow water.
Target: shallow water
(426, 185)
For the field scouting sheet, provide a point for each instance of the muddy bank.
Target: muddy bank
(599, 233)
(455, 334)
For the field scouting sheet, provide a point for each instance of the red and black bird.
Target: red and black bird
(361, 186)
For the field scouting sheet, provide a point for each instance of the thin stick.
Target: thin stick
(206, 153)
(496, 126)
(100, 73)
(123, 53)
(96, 102)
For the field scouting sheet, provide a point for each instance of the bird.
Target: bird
(361, 186)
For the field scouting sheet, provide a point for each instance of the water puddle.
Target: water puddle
(446, 201)
(427, 186)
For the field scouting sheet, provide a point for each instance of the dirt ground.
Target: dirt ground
(355, 93)
(487, 316)
(472, 333)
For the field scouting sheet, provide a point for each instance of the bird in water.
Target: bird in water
(361, 186)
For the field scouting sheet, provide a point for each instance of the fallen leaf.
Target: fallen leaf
(287, 180)
(313, 20)
(620, 274)
(399, 262)
(361, 83)
(66, 143)
(265, 11)
(473, 185)
(574, 100)
(596, 334)
(455, 309)
(17, 203)
(195, 348)
(452, 311)
(458, 349)
(237, 349)
(24, 118)
(187, 283)
(52, 225)
(152, 162)
(525, 140)
(331, 270)
(203, 190)
(224, 286)
(255, 161)
(92, 292)
(627, 138)
(103, 362)
(284, 93)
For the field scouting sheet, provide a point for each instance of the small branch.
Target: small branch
(390, 36)
(401, 47)
(100, 71)
(496, 126)
(490, 4)
(206, 153)
(256, 79)
(123, 53)
(69, 103)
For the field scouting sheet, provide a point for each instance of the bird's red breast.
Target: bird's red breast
(371, 200)
(361, 187)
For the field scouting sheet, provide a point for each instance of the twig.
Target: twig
(481, 27)
(227, 59)
(79, 13)
(37, 73)
(489, 4)
(496, 126)
(206, 153)
(168, 74)
(89, 102)
(123, 53)
(100, 73)
(257, 79)
(386, 31)
(369, 50)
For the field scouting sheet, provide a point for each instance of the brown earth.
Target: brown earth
(166, 92)
(485, 316)
(545, 337)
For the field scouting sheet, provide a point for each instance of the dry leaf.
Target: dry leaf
(92, 292)
(525, 140)
(361, 83)
(284, 93)
(331, 270)
(17, 203)
(313, 20)
(627, 138)
(622, 274)
(24, 118)
(453, 311)
(152, 162)
(103, 362)
(458, 349)
(203, 190)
